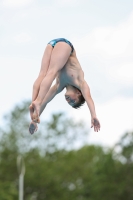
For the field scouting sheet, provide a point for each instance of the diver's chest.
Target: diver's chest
(66, 75)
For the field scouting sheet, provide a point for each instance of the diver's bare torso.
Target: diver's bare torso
(69, 74)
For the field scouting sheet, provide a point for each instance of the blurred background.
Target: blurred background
(66, 159)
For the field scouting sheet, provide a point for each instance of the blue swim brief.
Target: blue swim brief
(55, 41)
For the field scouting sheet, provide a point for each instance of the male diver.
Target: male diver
(60, 63)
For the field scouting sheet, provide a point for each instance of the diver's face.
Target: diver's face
(72, 98)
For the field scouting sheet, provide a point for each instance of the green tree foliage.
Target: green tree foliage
(125, 146)
(55, 168)
(125, 154)
(58, 133)
(62, 174)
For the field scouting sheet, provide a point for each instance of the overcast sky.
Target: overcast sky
(102, 34)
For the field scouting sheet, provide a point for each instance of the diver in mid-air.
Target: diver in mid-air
(60, 62)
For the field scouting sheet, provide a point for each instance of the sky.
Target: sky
(101, 32)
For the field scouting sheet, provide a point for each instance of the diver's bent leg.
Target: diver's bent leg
(44, 68)
(44, 88)
(59, 57)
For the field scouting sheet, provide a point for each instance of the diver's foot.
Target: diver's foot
(36, 112)
(31, 109)
(33, 127)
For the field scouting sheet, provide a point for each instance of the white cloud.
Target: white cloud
(122, 73)
(109, 50)
(109, 42)
(115, 117)
(16, 3)
(22, 38)
(16, 80)
(19, 39)
(70, 3)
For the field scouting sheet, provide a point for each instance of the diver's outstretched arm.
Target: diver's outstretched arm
(54, 90)
(85, 90)
(49, 96)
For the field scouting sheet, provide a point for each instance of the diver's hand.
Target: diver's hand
(95, 123)
(33, 127)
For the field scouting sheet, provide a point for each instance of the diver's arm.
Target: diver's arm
(54, 90)
(85, 90)
(49, 96)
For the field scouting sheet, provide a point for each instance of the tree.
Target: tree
(125, 146)
(58, 133)
(124, 149)
(55, 168)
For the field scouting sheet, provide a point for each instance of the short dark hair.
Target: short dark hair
(80, 103)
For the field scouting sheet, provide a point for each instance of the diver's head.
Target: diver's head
(74, 97)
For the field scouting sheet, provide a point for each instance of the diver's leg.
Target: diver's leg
(44, 68)
(59, 57)
(43, 71)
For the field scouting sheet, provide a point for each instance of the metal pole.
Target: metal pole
(21, 171)
(21, 181)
